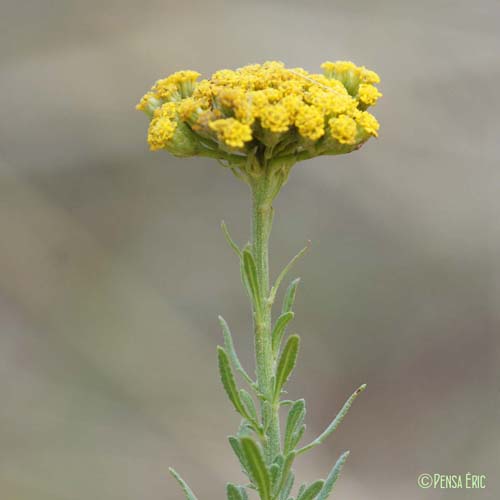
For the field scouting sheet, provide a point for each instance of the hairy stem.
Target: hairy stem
(263, 193)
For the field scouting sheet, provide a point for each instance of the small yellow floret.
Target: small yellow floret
(187, 107)
(368, 122)
(292, 104)
(225, 77)
(232, 132)
(182, 81)
(368, 76)
(235, 100)
(331, 101)
(275, 118)
(368, 94)
(164, 88)
(162, 126)
(167, 110)
(343, 129)
(144, 103)
(310, 122)
(161, 130)
(204, 90)
(339, 67)
(183, 77)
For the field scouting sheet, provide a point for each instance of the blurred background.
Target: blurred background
(113, 268)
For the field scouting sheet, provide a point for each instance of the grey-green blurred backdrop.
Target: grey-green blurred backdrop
(113, 268)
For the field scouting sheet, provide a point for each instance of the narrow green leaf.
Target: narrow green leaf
(336, 421)
(280, 460)
(233, 492)
(236, 447)
(275, 471)
(279, 330)
(249, 404)
(244, 280)
(228, 382)
(283, 273)
(245, 429)
(229, 345)
(288, 486)
(256, 467)
(187, 490)
(243, 492)
(275, 476)
(251, 276)
(290, 293)
(311, 491)
(286, 363)
(297, 436)
(301, 489)
(287, 466)
(229, 240)
(332, 477)
(294, 420)
(266, 411)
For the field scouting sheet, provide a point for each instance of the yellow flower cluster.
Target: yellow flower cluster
(310, 122)
(232, 132)
(265, 106)
(162, 126)
(343, 129)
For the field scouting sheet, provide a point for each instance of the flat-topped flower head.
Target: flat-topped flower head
(263, 114)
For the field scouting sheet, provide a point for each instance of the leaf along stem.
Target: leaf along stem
(335, 423)
(283, 273)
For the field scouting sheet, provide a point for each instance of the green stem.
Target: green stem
(263, 191)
